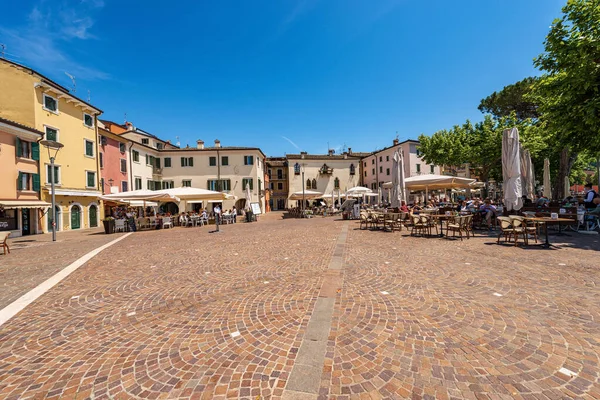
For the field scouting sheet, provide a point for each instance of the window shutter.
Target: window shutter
(20, 181)
(36, 182)
(18, 145)
(157, 160)
(251, 184)
(191, 161)
(182, 161)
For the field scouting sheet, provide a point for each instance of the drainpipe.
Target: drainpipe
(131, 167)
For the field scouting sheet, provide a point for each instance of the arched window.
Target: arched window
(308, 186)
(352, 169)
(314, 183)
(297, 169)
(336, 183)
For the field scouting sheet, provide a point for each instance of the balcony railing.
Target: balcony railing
(156, 171)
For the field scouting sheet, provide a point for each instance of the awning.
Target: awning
(82, 193)
(13, 204)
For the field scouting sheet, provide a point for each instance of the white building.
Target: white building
(323, 173)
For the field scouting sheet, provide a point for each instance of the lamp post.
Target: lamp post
(303, 201)
(55, 146)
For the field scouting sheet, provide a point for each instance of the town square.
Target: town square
(300, 200)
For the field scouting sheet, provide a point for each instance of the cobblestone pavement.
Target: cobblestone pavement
(33, 259)
(184, 313)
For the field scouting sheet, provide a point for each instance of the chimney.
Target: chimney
(330, 152)
(168, 142)
(200, 144)
(396, 141)
(129, 126)
(217, 143)
(349, 150)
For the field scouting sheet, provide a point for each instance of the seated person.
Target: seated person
(527, 201)
(403, 207)
(590, 196)
(488, 211)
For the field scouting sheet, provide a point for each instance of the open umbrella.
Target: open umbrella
(308, 195)
(511, 170)
(547, 185)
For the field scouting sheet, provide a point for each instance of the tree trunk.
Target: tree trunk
(567, 158)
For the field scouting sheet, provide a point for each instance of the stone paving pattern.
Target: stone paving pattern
(153, 317)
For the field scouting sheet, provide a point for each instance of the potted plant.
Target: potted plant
(109, 225)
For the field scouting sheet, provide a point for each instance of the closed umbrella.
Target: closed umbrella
(511, 170)
(547, 185)
(248, 196)
(527, 176)
(396, 190)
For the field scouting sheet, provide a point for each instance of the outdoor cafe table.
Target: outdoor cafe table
(441, 218)
(547, 221)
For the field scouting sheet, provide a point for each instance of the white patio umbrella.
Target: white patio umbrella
(396, 190)
(511, 170)
(190, 193)
(308, 195)
(248, 197)
(528, 179)
(547, 184)
(142, 194)
(358, 190)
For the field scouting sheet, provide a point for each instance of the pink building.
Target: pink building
(114, 162)
(377, 167)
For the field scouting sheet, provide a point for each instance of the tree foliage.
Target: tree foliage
(568, 94)
(512, 99)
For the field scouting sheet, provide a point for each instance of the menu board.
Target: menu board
(255, 208)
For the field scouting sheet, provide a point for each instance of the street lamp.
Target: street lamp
(52, 146)
(303, 201)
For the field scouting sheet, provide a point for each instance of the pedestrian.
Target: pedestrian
(217, 211)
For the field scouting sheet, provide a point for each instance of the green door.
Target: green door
(93, 216)
(75, 217)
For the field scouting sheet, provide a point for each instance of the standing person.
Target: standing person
(234, 212)
(217, 211)
(590, 195)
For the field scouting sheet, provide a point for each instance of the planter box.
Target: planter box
(109, 226)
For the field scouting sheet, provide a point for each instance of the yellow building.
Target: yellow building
(30, 98)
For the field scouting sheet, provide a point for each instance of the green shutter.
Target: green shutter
(191, 161)
(20, 181)
(251, 184)
(18, 146)
(36, 182)
(182, 162)
(157, 162)
(35, 151)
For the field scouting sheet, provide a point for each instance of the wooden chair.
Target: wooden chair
(429, 224)
(366, 220)
(519, 221)
(519, 228)
(458, 225)
(417, 225)
(4, 241)
(506, 229)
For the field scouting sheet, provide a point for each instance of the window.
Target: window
(280, 186)
(56, 174)
(123, 165)
(372, 161)
(308, 184)
(168, 184)
(365, 164)
(51, 134)
(418, 167)
(213, 184)
(124, 186)
(296, 169)
(90, 179)
(101, 160)
(373, 171)
(380, 159)
(248, 160)
(136, 156)
(122, 147)
(27, 149)
(387, 158)
(336, 183)
(225, 160)
(159, 146)
(352, 169)
(279, 174)
(187, 161)
(212, 161)
(50, 103)
(432, 168)
(88, 120)
(138, 183)
(314, 183)
(380, 169)
(365, 173)
(24, 181)
(418, 152)
(145, 141)
(271, 186)
(247, 182)
(89, 148)
(387, 171)
(186, 183)
(9, 219)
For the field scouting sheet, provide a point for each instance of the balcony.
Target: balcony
(156, 172)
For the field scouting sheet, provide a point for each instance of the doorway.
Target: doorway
(93, 216)
(75, 217)
(25, 222)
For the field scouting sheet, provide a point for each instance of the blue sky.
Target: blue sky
(282, 75)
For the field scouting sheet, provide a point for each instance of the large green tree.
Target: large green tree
(568, 94)
(512, 99)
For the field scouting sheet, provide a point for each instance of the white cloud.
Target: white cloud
(43, 40)
(292, 143)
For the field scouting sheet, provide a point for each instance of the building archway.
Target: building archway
(93, 215)
(76, 212)
(171, 208)
(240, 204)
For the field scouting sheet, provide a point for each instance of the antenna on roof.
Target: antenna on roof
(125, 117)
(397, 135)
(2, 48)
(72, 81)
(178, 143)
(89, 96)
